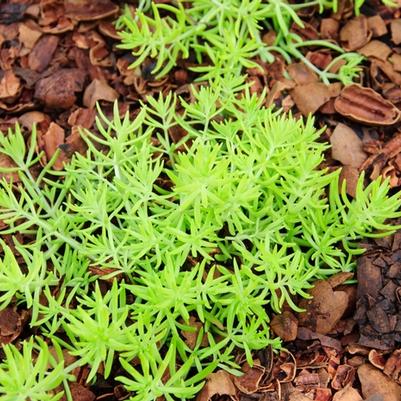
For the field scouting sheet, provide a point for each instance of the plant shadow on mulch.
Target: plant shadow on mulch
(58, 59)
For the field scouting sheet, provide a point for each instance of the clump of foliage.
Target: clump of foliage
(216, 229)
(34, 374)
(167, 33)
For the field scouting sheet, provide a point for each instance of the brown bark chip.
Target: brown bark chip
(377, 49)
(42, 53)
(374, 382)
(219, 383)
(98, 90)
(10, 325)
(396, 31)
(346, 146)
(324, 310)
(10, 84)
(57, 91)
(355, 33)
(308, 98)
(377, 26)
(347, 394)
(285, 326)
(89, 10)
(80, 393)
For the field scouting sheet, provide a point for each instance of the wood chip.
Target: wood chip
(29, 33)
(396, 31)
(98, 90)
(375, 382)
(42, 53)
(301, 74)
(377, 26)
(57, 91)
(89, 10)
(325, 309)
(219, 383)
(351, 176)
(308, 98)
(395, 60)
(355, 34)
(329, 28)
(285, 326)
(346, 146)
(10, 85)
(377, 49)
(52, 139)
(347, 394)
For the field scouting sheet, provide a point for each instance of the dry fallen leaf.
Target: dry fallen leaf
(219, 383)
(375, 382)
(191, 337)
(346, 146)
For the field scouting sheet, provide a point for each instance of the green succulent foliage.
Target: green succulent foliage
(230, 222)
(32, 373)
(97, 328)
(167, 33)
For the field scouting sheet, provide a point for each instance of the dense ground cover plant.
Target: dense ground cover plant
(203, 236)
(167, 33)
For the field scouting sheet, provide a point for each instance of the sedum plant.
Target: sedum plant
(33, 373)
(167, 33)
(205, 236)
